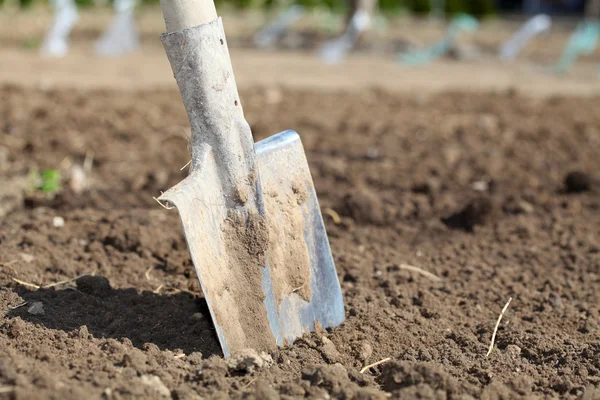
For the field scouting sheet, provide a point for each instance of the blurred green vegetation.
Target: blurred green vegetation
(47, 181)
(479, 8)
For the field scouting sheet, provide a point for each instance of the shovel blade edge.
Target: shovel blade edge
(285, 175)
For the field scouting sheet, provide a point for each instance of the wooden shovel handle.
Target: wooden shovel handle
(184, 14)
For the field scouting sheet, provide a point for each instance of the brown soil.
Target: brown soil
(288, 254)
(242, 314)
(477, 189)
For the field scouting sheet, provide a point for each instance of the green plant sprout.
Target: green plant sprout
(47, 181)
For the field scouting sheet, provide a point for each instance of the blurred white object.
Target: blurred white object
(56, 42)
(121, 36)
(535, 26)
(334, 51)
(276, 29)
(78, 181)
(58, 222)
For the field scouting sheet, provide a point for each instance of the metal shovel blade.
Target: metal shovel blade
(258, 306)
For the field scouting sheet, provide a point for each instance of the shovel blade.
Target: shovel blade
(296, 285)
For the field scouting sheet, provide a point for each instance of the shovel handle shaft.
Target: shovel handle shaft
(185, 14)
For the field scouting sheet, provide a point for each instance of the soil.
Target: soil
(288, 253)
(476, 188)
(242, 314)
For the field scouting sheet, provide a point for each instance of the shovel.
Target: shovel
(250, 214)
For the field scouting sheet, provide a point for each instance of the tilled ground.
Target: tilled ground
(473, 188)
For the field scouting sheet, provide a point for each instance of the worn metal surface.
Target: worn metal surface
(225, 179)
(281, 159)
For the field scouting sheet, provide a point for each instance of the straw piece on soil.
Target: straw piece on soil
(496, 328)
(36, 287)
(18, 305)
(334, 215)
(157, 290)
(147, 273)
(65, 281)
(366, 368)
(31, 285)
(420, 271)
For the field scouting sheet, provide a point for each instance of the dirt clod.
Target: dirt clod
(474, 213)
(414, 378)
(154, 382)
(334, 381)
(330, 352)
(577, 182)
(93, 285)
(364, 207)
(249, 360)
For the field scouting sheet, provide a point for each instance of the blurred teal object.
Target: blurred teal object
(277, 28)
(460, 23)
(583, 41)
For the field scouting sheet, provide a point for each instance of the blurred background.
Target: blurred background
(414, 45)
(475, 7)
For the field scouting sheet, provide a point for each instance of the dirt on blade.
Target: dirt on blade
(392, 167)
(245, 318)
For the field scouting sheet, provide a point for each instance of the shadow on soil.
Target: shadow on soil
(171, 322)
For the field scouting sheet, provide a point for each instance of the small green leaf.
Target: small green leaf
(50, 181)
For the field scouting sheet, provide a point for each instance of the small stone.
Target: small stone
(526, 207)
(198, 316)
(372, 153)
(78, 181)
(36, 308)
(480, 186)
(248, 360)
(58, 222)
(155, 383)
